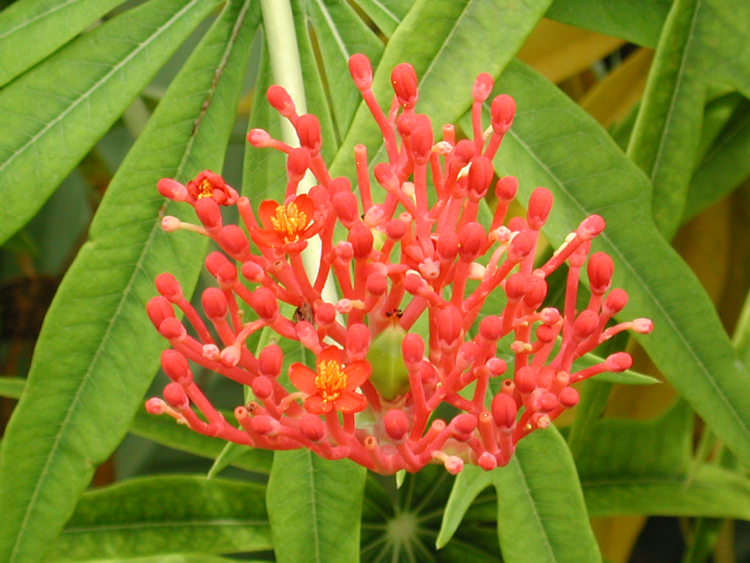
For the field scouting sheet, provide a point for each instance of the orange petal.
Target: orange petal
(267, 210)
(303, 378)
(331, 353)
(305, 205)
(356, 374)
(263, 237)
(316, 405)
(350, 402)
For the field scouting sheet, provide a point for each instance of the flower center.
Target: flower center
(289, 222)
(331, 380)
(205, 189)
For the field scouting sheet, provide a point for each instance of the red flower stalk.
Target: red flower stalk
(408, 332)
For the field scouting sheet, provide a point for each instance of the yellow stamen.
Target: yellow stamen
(205, 189)
(289, 222)
(331, 380)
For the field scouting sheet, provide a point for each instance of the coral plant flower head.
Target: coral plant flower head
(333, 385)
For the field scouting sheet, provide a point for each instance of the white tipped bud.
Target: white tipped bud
(170, 224)
(211, 352)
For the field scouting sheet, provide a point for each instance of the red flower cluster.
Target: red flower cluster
(416, 262)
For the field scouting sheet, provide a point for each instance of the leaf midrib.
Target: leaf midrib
(130, 526)
(30, 21)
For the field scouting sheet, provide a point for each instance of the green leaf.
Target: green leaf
(492, 31)
(553, 143)
(160, 515)
(12, 387)
(541, 515)
(724, 166)
(164, 430)
(172, 558)
(638, 21)
(98, 351)
(667, 130)
(386, 14)
(42, 27)
(79, 94)
(315, 507)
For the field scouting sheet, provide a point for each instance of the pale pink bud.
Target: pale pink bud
(642, 326)
(156, 406)
(230, 356)
(482, 87)
(496, 366)
(259, 138)
(454, 464)
(211, 352)
(550, 316)
(487, 461)
(344, 251)
(170, 224)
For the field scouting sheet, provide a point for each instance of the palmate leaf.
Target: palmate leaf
(79, 93)
(553, 143)
(160, 515)
(42, 26)
(97, 350)
(541, 516)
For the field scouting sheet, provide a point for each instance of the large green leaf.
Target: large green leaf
(98, 351)
(638, 21)
(541, 516)
(315, 507)
(667, 130)
(12, 387)
(386, 14)
(432, 37)
(553, 143)
(42, 26)
(161, 515)
(79, 93)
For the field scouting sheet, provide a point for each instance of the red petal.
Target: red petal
(331, 353)
(303, 378)
(267, 210)
(265, 238)
(316, 405)
(356, 374)
(305, 204)
(350, 402)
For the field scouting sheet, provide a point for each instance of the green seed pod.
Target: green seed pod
(389, 374)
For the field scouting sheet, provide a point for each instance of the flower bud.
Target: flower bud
(412, 348)
(482, 87)
(619, 362)
(307, 335)
(386, 177)
(585, 325)
(600, 269)
(467, 354)
(253, 272)
(361, 240)
(503, 109)
(535, 293)
(262, 388)
(346, 207)
(540, 204)
(264, 425)
(396, 424)
(546, 402)
(521, 246)
(395, 229)
(169, 287)
(506, 188)
(230, 356)
(174, 395)
(158, 309)
(480, 177)
(357, 341)
(312, 427)
(264, 304)
(297, 164)
(259, 138)
(465, 423)
(404, 81)
(504, 410)
(234, 241)
(642, 326)
(172, 329)
(497, 367)
(463, 152)
(615, 302)
(491, 328)
(270, 361)
(156, 406)
(175, 365)
(172, 189)
(214, 304)
(487, 461)
(545, 333)
(516, 287)
(280, 100)
(325, 314)
(569, 397)
(308, 131)
(422, 140)
(449, 327)
(590, 227)
(339, 184)
(361, 71)
(525, 380)
(471, 238)
(208, 213)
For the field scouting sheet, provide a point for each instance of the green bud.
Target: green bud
(389, 374)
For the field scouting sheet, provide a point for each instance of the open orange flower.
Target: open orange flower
(333, 385)
(285, 225)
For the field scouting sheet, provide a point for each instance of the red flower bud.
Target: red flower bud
(504, 410)
(590, 227)
(502, 111)
(280, 100)
(262, 388)
(540, 204)
(465, 423)
(214, 303)
(234, 241)
(491, 327)
(339, 184)
(585, 325)
(463, 152)
(471, 238)
(386, 177)
(312, 427)
(297, 164)
(396, 424)
(569, 397)
(253, 272)
(169, 287)
(264, 304)
(404, 81)
(516, 286)
(487, 461)
(325, 314)
(615, 302)
(357, 341)
(172, 189)
(395, 229)
(521, 246)
(422, 140)
(264, 424)
(536, 292)
(619, 362)
(600, 271)
(525, 380)
(259, 138)
(449, 326)
(482, 87)
(361, 240)
(361, 71)
(346, 207)
(447, 246)
(208, 213)
(545, 333)
(270, 360)
(308, 131)
(175, 396)
(546, 402)
(172, 329)
(377, 284)
(158, 309)
(176, 367)
(480, 177)
(506, 188)
(412, 348)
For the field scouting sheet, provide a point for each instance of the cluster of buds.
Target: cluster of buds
(419, 254)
